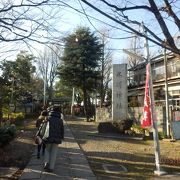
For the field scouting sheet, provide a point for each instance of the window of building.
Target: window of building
(159, 73)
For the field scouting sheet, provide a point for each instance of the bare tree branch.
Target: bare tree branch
(126, 8)
(168, 44)
(31, 4)
(27, 20)
(171, 13)
(169, 39)
(48, 62)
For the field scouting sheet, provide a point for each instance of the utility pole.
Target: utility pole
(44, 93)
(12, 90)
(11, 104)
(166, 96)
(158, 170)
(102, 74)
(45, 85)
(72, 105)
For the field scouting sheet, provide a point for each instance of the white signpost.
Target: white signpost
(11, 107)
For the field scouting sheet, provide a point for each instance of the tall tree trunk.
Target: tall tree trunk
(85, 104)
(1, 113)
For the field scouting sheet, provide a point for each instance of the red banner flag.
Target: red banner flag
(147, 121)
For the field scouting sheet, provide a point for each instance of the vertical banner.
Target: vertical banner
(119, 92)
(147, 120)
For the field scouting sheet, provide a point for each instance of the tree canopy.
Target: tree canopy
(17, 76)
(81, 59)
(80, 62)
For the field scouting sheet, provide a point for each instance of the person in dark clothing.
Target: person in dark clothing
(39, 122)
(53, 137)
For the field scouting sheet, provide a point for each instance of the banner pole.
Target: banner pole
(158, 170)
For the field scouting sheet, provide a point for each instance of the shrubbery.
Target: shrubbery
(14, 118)
(7, 133)
(8, 128)
(115, 127)
(147, 133)
(138, 129)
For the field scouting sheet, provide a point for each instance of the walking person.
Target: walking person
(55, 136)
(39, 122)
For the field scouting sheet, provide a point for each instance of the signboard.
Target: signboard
(11, 107)
(119, 92)
(176, 129)
(176, 115)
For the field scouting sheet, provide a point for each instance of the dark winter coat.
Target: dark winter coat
(56, 128)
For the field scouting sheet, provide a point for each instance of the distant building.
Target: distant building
(137, 76)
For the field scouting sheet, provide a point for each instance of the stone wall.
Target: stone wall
(104, 114)
(135, 113)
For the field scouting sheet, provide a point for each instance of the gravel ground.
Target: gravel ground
(109, 158)
(122, 158)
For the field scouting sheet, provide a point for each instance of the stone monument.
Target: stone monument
(119, 93)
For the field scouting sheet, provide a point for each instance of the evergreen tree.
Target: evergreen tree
(80, 63)
(17, 76)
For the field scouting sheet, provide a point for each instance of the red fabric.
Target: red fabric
(147, 121)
